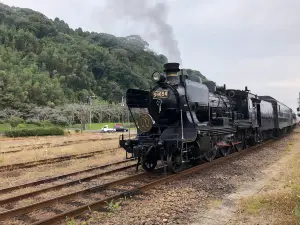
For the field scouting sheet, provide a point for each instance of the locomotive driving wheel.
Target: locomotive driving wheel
(211, 154)
(174, 160)
(225, 150)
(240, 146)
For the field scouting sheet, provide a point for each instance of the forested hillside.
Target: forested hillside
(44, 62)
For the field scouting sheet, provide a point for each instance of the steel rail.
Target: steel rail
(53, 160)
(96, 204)
(51, 179)
(15, 151)
(38, 205)
(39, 146)
(67, 183)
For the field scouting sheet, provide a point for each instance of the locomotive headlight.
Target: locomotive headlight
(158, 77)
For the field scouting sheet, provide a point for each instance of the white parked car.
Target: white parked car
(105, 129)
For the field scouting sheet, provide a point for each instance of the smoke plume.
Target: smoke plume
(152, 16)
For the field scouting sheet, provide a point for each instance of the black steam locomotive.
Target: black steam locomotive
(185, 120)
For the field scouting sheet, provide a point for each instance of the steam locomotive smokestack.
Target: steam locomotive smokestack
(171, 70)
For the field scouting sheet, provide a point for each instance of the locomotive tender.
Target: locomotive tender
(186, 120)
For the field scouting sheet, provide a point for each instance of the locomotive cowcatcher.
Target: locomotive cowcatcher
(182, 120)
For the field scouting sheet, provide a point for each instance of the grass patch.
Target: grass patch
(5, 127)
(282, 203)
(281, 207)
(216, 202)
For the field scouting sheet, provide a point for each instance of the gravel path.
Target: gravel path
(189, 200)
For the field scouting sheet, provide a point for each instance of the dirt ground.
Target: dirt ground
(220, 195)
(49, 147)
(9, 144)
(38, 148)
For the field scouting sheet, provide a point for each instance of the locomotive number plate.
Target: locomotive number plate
(160, 94)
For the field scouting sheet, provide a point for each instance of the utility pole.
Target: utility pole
(122, 102)
(122, 105)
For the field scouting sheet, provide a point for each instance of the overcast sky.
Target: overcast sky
(240, 43)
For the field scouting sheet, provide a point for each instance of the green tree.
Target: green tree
(45, 63)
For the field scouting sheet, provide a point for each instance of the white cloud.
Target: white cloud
(289, 83)
(236, 14)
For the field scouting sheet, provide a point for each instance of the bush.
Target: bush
(59, 122)
(15, 121)
(33, 121)
(35, 132)
(46, 123)
(21, 125)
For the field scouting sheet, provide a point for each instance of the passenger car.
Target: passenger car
(120, 128)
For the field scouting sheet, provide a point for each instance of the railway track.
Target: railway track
(53, 160)
(68, 183)
(40, 146)
(56, 178)
(82, 201)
